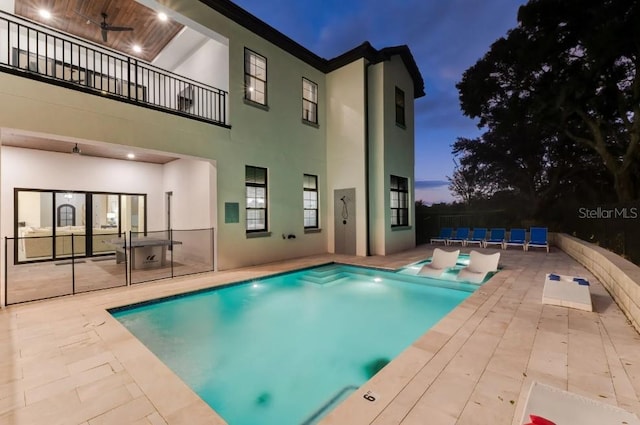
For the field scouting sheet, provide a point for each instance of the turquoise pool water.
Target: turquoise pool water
(284, 350)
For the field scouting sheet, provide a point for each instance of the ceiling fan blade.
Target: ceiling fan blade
(112, 28)
(104, 35)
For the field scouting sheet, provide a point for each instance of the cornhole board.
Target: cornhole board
(566, 293)
(565, 408)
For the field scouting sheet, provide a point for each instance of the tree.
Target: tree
(467, 183)
(569, 71)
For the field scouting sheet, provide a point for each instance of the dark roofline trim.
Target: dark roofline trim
(365, 50)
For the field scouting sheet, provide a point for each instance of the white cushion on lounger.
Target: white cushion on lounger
(440, 261)
(479, 265)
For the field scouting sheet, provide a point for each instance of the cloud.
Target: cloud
(427, 184)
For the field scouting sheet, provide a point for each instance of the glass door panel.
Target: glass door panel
(70, 219)
(105, 223)
(133, 214)
(34, 225)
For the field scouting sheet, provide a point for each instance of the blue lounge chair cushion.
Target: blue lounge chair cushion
(554, 276)
(581, 281)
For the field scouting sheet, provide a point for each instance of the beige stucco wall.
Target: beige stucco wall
(345, 143)
(621, 277)
(273, 137)
(392, 153)
(33, 106)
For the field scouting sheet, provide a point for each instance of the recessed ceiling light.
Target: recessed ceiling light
(137, 48)
(130, 156)
(162, 16)
(44, 13)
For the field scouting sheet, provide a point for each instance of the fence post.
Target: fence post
(73, 265)
(171, 249)
(6, 268)
(213, 248)
(127, 260)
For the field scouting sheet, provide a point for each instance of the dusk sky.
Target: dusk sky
(445, 36)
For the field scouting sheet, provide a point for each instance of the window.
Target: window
(400, 107)
(256, 186)
(310, 201)
(66, 215)
(255, 77)
(399, 201)
(309, 101)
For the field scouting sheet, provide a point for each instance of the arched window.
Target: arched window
(66, 215)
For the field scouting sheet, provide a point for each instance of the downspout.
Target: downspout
(366, 157)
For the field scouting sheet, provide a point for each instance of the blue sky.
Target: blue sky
(445, 36)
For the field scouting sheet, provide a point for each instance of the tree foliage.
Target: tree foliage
(467, 183)
(559, 100)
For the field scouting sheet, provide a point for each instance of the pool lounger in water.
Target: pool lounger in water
(440, 262)
(479, 266)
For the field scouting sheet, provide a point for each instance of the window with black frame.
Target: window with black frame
(256, 199)
(255, 77)
(309, 101)
(310, 201)
(400, 107)
(399, 192)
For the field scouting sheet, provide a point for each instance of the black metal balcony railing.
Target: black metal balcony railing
(31, 49)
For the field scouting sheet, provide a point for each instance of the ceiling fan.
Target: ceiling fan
(105, 27)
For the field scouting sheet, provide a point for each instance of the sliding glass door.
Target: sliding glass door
(46, 221)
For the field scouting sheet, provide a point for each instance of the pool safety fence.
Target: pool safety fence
(42, 267)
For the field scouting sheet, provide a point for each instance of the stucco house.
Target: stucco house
(226, 124)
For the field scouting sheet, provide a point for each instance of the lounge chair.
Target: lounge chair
(496, 237)
(445, 234)
(479, 266)
(517, 237)
(462, 234)
(479, 236)
(440, 262)
(538, 238)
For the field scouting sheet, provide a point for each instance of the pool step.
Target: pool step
(324, 275)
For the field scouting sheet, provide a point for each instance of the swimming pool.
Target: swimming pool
(286, 349)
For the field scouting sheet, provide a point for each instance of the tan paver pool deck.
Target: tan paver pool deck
(67, 361)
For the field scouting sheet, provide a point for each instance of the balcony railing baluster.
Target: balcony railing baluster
(48, 53)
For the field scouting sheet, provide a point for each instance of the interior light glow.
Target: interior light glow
(250, 88)
(44, 13)
(163, 16)
(130, 155)
(136, 48)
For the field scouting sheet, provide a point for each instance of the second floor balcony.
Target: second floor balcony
(40, 52)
